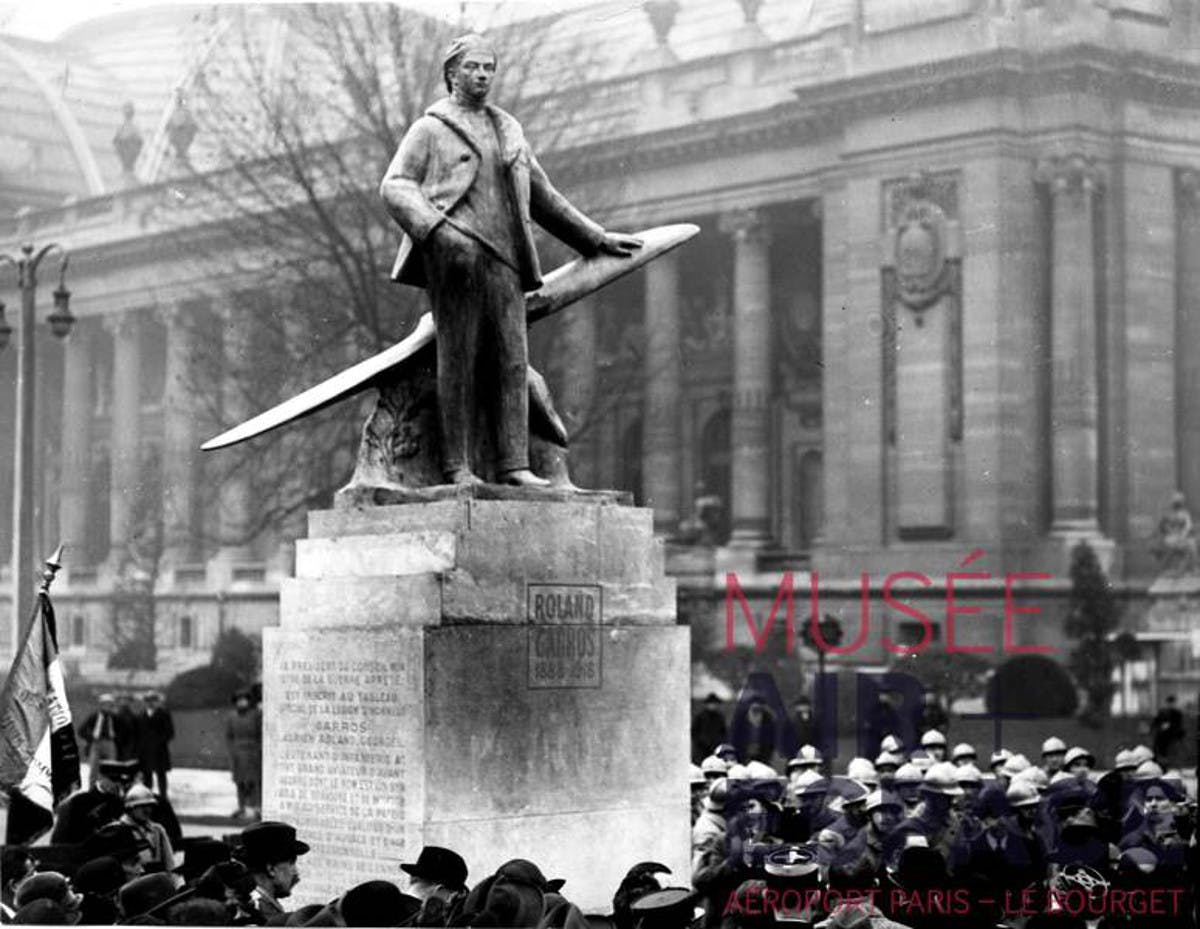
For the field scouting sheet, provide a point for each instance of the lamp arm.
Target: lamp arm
(46, 250)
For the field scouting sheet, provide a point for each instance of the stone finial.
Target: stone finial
(750, 10)
(128, 141)
(662, 15)
(181, 128)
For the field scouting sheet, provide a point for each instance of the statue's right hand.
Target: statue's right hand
(449, 236)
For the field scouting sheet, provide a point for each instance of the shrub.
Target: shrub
(1032, 685)
(202, 688)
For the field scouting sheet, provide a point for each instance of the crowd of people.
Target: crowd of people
(939, 836)
(130, 728)
(932, 837)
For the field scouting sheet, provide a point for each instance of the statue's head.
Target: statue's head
(470, 61)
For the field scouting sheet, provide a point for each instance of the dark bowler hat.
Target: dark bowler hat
(270, 842)
(670, 908)
(101, 876)
(200, 855)
(117, 840)
(378, 903)
(439, 866)
(520, 871)
(143, 894)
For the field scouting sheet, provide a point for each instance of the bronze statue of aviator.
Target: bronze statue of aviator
(465, 187)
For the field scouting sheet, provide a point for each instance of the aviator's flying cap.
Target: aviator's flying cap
(471, 42)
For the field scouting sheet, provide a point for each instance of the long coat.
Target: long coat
(243, 738)
(154, 734)
(436, 165)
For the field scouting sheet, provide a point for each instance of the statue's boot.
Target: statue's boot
(463, 477)
(523, 477)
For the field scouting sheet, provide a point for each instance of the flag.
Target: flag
(39, 758)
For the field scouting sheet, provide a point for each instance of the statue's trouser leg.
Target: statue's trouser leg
(457, 311)
(478, 305)
(506, 332)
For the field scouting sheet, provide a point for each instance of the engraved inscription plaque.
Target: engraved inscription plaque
(565, 645)
(344, 748)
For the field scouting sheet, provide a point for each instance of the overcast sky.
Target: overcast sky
(46, 19)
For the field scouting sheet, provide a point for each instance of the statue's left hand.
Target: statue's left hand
(619, 244)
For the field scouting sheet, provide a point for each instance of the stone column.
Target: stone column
(751, 378)
(662, 455)
(1187, 361)
(578, 401)
(179, 437)
(1073, 401)
(234, 504)
(126, 430)
(76, 442)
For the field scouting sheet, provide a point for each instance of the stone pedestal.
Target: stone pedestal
(500, 676)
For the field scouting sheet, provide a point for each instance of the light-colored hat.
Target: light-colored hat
(1078, 753)
(862, 770)
(968, 774)
(696, 776)
(888, 758)
(738, 772)
(1053, 745)
(139, 795)
(1034, 776)
(714, 766)
(791, 861)
(891, 744)
(877, 799)
(1124, 761)
(933, 739)
(1147, 771)
(908, 774)
(963, 750)
(758, 771)
(1140, 753)
(922, 759)
(1015, 764)
(942, 778)
(999, 757)
(1022, 793)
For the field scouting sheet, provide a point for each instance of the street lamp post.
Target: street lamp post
(23, 559)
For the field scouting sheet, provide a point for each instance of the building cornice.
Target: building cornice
(823, 109)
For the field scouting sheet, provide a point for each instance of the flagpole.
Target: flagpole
(53, 565)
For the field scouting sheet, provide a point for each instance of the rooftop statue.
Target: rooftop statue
(1176, 546)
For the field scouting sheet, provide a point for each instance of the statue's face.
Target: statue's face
(472, 76)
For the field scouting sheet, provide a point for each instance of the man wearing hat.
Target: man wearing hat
(935, 744)
(270, 850)
(155, 730)
(669, 908)
(1054, 750)
(438, 878)
(243, 739)
(140, 803)
(100, 733)
(52, 886)
(709, 728)
(466, 188)
(85, 811)
(117, 840)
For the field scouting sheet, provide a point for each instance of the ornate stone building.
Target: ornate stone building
(946, 301)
